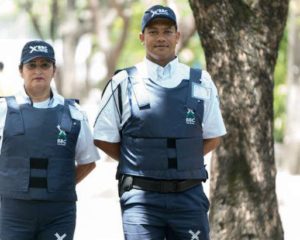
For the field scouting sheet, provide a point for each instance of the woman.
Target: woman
(46, 147)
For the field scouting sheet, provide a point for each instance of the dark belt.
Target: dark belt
(126, 183)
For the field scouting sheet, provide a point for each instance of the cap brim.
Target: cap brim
(38, 56)
(160, 17)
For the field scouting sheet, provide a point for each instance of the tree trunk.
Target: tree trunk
(241, 40)
(70, 85)
(70, 36)
(292, 134)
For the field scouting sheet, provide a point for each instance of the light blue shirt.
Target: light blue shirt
(108, 124)
(85, 151)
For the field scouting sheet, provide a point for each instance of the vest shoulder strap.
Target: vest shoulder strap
(131, 72)
(66, 118)
(195, 75)
(14, 109)
(139, 88)
(71, 101)
(12, 103)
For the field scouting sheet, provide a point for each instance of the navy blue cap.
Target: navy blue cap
(37, 48)
(158, 11)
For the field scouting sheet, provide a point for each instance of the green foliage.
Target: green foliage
(193, 54)
(134, 52)
(280, 90)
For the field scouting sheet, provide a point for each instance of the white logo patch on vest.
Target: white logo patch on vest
(62, 137)
(200, 92)
(190, 117)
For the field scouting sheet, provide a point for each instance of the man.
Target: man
(158, 119)
(42, 137)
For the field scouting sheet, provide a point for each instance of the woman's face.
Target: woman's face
(37, 75)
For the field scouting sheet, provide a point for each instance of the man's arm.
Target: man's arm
(210, 144)
(83, 170)
(111, 149)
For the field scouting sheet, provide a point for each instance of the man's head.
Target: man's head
(1, 66)
(159, 34)
(158, 11)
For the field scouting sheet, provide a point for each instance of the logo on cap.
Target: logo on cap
(38, 48)
(159, 11)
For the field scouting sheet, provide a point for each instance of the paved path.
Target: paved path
(99, 215)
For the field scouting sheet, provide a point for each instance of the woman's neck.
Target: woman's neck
(38, 96)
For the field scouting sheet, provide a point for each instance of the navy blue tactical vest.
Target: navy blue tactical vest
(163, 137)
(38, 152)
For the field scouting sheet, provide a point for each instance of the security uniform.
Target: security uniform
(37, 170)
(161, 164)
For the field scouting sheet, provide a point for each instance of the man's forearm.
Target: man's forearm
(210, 144)
(83, 170)
(111, 149)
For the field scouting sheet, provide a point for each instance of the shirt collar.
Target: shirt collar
(23, 98)
(159, 73)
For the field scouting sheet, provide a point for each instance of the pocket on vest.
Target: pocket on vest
(189, 153)
(61, 174)
(150, 154)
(14, 174)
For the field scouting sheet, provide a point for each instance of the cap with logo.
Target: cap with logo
(158, 11)
(35, 49)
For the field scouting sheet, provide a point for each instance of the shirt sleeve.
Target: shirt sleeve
(85, 151)
(108, 122)
(213, 124)
(3, 111)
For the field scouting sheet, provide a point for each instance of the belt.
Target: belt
(161, 186)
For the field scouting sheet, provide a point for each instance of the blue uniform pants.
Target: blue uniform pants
(36, 220)
(165, 216)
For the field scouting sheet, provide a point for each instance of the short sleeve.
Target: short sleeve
(109, 119)
(3, 111)
(213, 124)
(85, 152)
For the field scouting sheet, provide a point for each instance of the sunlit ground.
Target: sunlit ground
(99, 213)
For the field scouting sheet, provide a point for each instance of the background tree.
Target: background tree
(105, 25)
(292, 134)
(241, 41)
(73, 20)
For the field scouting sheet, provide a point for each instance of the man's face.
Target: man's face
(160, 38)
(37, 74)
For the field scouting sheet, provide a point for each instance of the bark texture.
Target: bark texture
(241, 40)
(292, 134)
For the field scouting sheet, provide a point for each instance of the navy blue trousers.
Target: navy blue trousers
(165, 216)
(36, 220)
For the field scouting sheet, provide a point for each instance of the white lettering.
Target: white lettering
(38, 49)
(195, 236)
(159, 11)
(60, 237)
